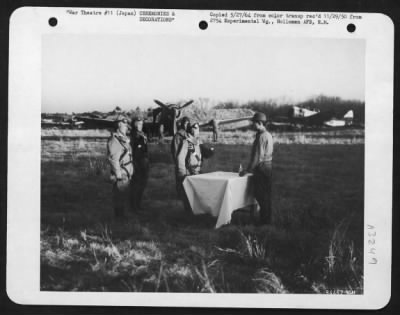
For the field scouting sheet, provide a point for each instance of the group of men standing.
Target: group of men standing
(128, 157)
(129, 161)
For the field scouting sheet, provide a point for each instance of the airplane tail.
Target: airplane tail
(349, 115)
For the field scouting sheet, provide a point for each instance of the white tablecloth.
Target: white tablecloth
(219, 194)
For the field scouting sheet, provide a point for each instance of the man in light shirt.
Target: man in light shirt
(261, 166)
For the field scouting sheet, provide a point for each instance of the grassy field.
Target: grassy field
(315, 244)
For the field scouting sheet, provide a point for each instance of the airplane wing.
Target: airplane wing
(224, 121)
(275, 123)
(233, 120)
(313, 120)
(96, 122)
(54, 123)
(104, 120)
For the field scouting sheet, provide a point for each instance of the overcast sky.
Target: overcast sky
(98, 72)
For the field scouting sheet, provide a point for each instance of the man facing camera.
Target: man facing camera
(261, 166)
(179, 142)
(120, 158)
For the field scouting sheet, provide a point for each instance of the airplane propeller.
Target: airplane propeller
(161, 104)
(186, 104)
(173, 105)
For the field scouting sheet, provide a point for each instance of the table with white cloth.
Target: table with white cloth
(219, 194)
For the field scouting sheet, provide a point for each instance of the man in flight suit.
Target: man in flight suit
(178, 142)
(140, 162)
(261, 166)
(189, 157)
(120, 158)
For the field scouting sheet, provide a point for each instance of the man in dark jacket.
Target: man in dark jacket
(261, 166)
(140, 162)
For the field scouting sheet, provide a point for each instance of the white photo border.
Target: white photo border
(29, 24)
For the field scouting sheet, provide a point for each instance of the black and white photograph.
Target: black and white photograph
(182, 163)
(148, 115)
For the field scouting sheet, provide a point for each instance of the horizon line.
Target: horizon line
(280, 101)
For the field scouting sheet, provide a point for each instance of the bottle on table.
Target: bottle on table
(240, 168)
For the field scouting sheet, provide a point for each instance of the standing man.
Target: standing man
(179, 141)
(179, 137)
(140, 163)
(120, 159)
(190, 155)
(261, 166)
(215, 129)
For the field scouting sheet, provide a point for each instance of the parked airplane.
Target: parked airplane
(346, 121)
(165, 117)
(60, 121)
(299, 116)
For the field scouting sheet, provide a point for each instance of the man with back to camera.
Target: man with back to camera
(261, 166)
(215, 129)
(140, 162)
(120, 158)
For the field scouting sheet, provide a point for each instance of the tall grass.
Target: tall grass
(342, 267)
(313, 246)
